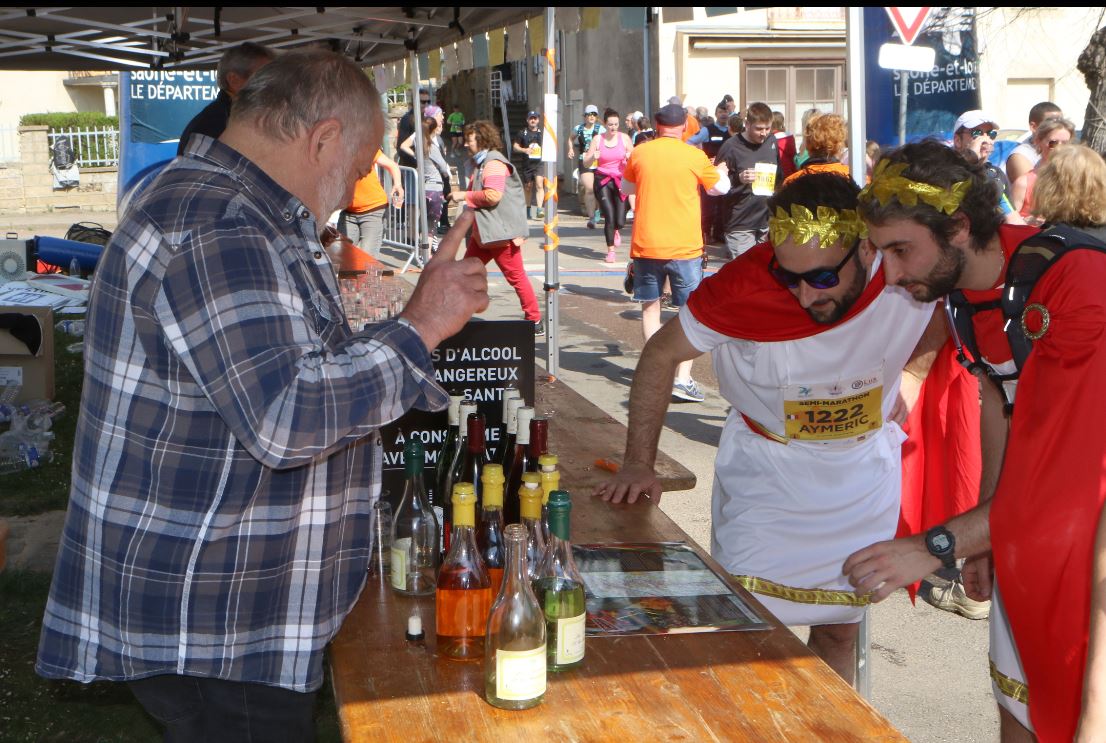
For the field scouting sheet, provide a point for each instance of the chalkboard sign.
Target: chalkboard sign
(481, 361)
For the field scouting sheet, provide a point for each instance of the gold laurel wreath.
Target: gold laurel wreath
(888, 181)
(828, 226)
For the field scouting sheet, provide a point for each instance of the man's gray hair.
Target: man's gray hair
(241, 60)
(299, 89)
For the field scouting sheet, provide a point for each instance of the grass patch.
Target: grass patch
(34, 709)
(46, 488)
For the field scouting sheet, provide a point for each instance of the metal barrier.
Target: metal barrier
(401, 226)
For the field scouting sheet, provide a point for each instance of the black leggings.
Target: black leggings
(611, 206)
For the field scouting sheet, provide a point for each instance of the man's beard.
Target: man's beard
(835, 309)
(332, 191)
(942, 280)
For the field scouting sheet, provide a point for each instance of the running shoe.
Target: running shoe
(591, 224)
(666, 302)
(629, 215)
(949, 595)
(610, 256)
(598, 218)
(688, 391)
(617, 238)
(539, 214)
(539, 329)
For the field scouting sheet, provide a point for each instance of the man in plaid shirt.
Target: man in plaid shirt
(227, 454)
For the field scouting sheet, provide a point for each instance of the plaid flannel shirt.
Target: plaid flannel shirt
(227, 453)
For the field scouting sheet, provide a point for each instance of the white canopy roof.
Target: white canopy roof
(56, 38)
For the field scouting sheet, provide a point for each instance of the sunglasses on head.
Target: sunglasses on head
(818, 278)
(993, 134)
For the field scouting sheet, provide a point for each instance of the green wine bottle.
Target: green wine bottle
(560, 590)
(515, 657)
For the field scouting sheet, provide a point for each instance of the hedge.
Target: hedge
(66, 120)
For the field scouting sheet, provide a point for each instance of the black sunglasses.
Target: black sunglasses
(993, 134)
(819, 278)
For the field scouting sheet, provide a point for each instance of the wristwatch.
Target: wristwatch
(942, 544)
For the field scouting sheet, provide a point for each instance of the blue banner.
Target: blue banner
(935, 98)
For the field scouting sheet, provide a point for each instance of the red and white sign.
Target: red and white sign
(908, 22)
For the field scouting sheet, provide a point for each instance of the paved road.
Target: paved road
(929, 672)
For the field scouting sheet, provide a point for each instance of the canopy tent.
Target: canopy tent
(168, 38)
(94, 38)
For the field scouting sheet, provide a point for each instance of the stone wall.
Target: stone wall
(26, 186)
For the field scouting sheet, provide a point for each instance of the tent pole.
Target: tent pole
(552, 270)
(422, 238)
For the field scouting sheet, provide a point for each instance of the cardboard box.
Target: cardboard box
(18, 365)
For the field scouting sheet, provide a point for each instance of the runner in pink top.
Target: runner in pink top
(611, 151)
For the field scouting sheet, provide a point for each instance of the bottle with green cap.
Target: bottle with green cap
(415, 536)
(560, 590)
(489, 532)
(530, 497)
(464, 592)
(515, 657)
(550, 481)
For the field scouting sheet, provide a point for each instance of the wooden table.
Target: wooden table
(731, 686)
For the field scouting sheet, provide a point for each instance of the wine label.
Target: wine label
(399, 563)
(570, 639)
(520, 674)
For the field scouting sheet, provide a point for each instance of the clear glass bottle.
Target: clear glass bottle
(515, 656)
(520, 458)
(464, 592)
(489, 530)
(560, 590)
(465, 409)
(550, 481)
(416, 540)
(530, 507)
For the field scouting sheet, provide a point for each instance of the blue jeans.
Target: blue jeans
(649, 275)
(212, 710)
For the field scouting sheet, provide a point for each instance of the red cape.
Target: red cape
(743, 301)
(1051, 491)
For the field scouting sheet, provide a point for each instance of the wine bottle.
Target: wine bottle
(489, 531)
(560, 590)
(464, 592)
(437, 495)
(550, 481)
(515, 645)
(539, 442)
(475, 455)
(466, 408)
(510, 504)
(530, 498)
(519, 459)
(509, 393)
(416, 540)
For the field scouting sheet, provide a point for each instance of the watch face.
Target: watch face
(940, 542)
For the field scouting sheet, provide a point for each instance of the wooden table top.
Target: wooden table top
(728, 686)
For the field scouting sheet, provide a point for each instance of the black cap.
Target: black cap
(671, 115)
(533, 115)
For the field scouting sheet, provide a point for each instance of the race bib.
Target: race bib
(764, 179)
(831, 412)
(535, 151)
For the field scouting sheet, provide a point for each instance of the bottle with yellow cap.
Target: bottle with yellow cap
(464, 592)
(530, 498)
(550, 481)
(489, 530)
